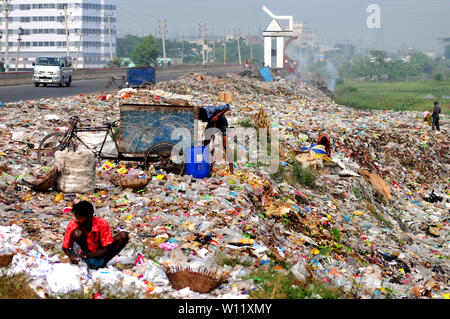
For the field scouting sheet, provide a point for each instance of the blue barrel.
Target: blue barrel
(197, 161)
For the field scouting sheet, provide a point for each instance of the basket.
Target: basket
(45, 182)
(133, 183)
(202, 281)
(5, 260)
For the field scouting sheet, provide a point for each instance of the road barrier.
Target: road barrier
(21, 78)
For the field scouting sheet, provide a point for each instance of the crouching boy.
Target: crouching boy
(89, 238)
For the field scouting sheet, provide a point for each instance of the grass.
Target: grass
(279, 285)
(304, 176)
(397, 96)
(16, 287)
(232, 261)
(103, 291)
(246, 123)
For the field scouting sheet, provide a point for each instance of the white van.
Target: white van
(53, 70)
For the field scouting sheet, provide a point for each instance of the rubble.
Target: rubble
(377, 242)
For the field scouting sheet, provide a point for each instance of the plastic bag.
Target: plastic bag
(95, 140)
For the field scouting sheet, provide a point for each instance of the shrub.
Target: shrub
(437, 77)
(304, 176)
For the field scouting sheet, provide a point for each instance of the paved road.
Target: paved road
(30, 92)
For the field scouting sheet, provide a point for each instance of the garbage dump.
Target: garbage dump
(374, 222)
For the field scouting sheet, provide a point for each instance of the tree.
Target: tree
(127, 44)
(422, 62)
(379, 56)
(115, 63)
(446, 43)
(145, 53)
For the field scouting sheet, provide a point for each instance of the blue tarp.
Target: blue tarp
(266, 74)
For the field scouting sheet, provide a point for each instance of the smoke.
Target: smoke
(305, 59)
(332, 76)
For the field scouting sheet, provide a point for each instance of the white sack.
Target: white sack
(77, 171)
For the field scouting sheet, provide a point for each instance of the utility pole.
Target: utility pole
(111, 56)
(214, 51)
(162, 30)
(67, 29)
(19, 39)
(182, 50)
(202, 32)
(6, 8)
(79, 47)
(237, 35)
(1, 36)
(225, 51)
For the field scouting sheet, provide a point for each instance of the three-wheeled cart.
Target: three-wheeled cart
(158, 133)
(141, 77)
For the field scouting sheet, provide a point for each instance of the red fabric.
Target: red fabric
(327, 144)
(99, 236)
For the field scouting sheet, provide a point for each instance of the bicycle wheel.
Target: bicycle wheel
(160, 156)
(49, 145)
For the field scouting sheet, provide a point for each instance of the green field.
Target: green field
(398, 96)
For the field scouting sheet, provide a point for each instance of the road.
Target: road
(30, 92)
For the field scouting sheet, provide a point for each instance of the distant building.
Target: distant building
(432, 55)
(305, 34)
(44, 31)
(252, 39)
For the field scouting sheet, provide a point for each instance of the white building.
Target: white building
(306, 35)
(45, 31)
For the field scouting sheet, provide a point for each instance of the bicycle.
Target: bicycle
(119, 83)
(158, 155)
(59, 141)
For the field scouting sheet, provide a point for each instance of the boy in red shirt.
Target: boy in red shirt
(90, 238)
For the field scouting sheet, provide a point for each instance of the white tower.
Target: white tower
(276, 31)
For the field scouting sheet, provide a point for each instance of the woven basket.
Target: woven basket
(45, 182)
(5, 260)
(133, 183)
(202, 281)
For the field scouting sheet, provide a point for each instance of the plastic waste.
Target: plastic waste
(300, 271)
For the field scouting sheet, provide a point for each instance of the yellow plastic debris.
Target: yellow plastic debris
(59, 197)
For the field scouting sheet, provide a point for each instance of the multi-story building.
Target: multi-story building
(82, 29)
(306, 35)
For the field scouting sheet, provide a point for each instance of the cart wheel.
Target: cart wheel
(146, 85)
(160, 156)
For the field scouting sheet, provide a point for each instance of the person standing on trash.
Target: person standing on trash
(89, 238)
(216, 119)
(435, 116)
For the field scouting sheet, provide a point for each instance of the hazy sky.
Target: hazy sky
(417, 23)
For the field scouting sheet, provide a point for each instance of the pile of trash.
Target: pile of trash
(376, 221)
